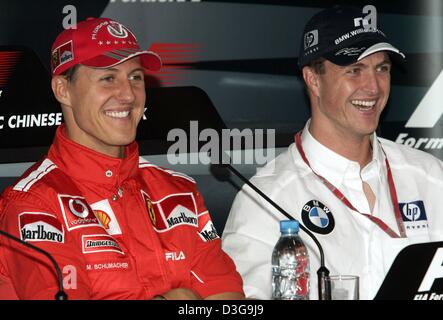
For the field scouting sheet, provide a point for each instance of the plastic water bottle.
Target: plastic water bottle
(290, 264)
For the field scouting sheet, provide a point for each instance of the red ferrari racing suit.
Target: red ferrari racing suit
(118, 228)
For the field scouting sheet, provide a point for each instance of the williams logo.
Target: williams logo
(317, 217)
(350, 51)
(36, 226)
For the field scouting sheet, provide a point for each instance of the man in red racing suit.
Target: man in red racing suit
(118, 226)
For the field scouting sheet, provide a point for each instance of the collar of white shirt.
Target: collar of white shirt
(335, 167)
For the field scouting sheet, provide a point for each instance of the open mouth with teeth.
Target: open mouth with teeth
(364, 105)
(118, 114)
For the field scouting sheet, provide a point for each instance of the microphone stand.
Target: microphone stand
(60, 295)
(322, 272)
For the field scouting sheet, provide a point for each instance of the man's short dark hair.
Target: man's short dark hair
(71, 73)
(318, 65)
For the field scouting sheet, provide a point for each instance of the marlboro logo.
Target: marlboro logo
(207, 229)
(36, 226)
(172, 211)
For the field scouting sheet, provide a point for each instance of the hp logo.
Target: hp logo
(411, 211)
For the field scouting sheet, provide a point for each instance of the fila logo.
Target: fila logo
(117, 30)
(175, 256)
(435, 271)
(429, 110)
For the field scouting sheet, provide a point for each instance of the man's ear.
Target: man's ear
(312, 80)
(59, 86)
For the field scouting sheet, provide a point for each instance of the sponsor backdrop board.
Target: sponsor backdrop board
(243, 54)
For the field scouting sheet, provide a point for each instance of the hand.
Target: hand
(180, 294)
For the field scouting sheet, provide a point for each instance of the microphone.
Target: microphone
(322, 272)
(60, 295)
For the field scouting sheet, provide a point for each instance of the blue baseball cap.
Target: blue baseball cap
(343, 36)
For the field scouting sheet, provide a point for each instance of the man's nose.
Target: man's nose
(372, 83)
(126, 92)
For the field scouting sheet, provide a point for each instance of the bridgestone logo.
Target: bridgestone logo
(101, 243)
(182, 219)
(94, 243)
(41, 234)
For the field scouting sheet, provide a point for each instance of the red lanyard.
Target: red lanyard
(342, 197)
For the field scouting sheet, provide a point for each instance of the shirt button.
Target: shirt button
(109, 173)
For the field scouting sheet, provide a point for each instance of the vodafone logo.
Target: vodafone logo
(77, 213)
(78, 208)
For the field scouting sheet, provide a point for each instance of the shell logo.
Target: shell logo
(103, 217)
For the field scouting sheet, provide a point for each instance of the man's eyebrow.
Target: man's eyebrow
(117, 70)
(138, 69)
(385, 61)
(358, 64)
(362, 65)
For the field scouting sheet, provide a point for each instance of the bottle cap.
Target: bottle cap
(289, 226)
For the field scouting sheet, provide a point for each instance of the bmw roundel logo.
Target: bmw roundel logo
(317, 217)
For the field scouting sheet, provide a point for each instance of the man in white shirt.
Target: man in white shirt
(365, 198)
